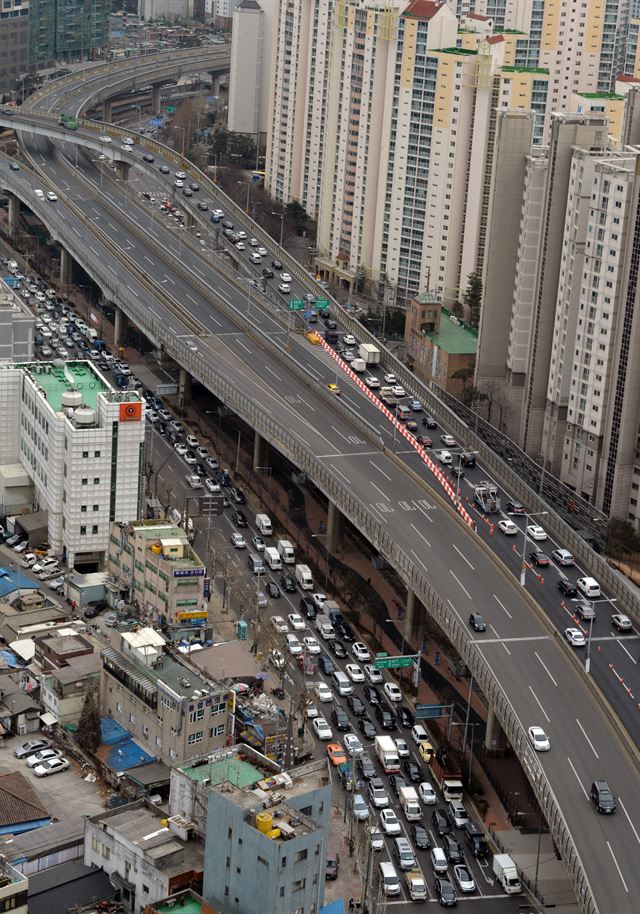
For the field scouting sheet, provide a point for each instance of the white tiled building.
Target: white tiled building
(81, 442)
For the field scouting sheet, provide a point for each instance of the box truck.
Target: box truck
(506, 872)
(286, 552)
(369, 354)
(410, 804)
(303, 577)
(263, 523)
(387, 753)
(359, 365)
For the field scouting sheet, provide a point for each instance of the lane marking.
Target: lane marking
(584, 733)
(539, 703)
(376, 467)
(613, 857)
(463, 557)
(633, 828)
(421, 535)
(586, 795)
(545, 668)
(502, 606)
(246, 348)
(418, 559)
(379, 514)
(460, 584)
(271, 371)
(346, 479)
(384, 494)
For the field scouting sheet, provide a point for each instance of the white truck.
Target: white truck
(416, 886)
(286, 552)
(359, 365)
(506, 872)
(410, 804)
(303, 577)
(387, 753)
(272, 558)
(369, 353)
(324, 627)
(263, 523)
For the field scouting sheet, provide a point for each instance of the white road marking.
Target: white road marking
(460, 584)
(192, 299)
(627, 652)
(584, 733)
(586, 795)
(384, 494)
(149, 260)
(613, 856)
(378, 512)
(633, 828)
(172, 281)
(270, 370)
(421, 535)
(463, 557)
(418, 559)
(545, 668)
(375, 467)
(539, 703)
(502, 606)
(133, 291)
(240, 343)
(334, 467)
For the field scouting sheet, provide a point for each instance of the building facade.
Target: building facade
(439, 346)
(161, 701)
(81, 442)
(156, 567)
(14, 45)
(14, 889)
(17, 325)
(249, 86)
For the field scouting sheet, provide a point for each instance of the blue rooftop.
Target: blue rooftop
(125, 753)
(14, 580)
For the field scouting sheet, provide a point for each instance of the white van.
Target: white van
(388, 879)
(286, 552)
(263, 523)
(39, 193)
(588, 587)
(402, 412)
(272, 558)
(303, 577)
(342, 683)
(256, 258)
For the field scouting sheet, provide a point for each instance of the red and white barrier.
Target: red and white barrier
(410, 437)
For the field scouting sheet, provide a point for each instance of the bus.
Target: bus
(68, 122)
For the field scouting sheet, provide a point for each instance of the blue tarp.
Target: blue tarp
(334, 907)
(9, 659)
(125, 752)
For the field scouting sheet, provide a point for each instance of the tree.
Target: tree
(88, 736)
(463, 374)
(241, 149)
(473, 299)
(362, 278)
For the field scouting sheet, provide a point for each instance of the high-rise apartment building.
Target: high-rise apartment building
(14, 44)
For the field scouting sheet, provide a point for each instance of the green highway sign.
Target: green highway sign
(382, 654)
(296, 304)
(393, 663)
(322, 304)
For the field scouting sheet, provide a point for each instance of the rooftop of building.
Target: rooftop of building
(454, 338)
(542, 70)
(510, 32)
(9, 875)
(181, 903)
(56, 378)
(146, 827)
(466, 52)
(422, 9)
(156, 531)
(605, 96)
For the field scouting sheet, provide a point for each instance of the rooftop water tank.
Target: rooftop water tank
(71, 399)
(264, 822)
(85, 416)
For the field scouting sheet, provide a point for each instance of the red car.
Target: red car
(333, 865)
(337, 755)
(541, 559)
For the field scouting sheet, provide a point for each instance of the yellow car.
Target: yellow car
(337, 755)
(334, 389)
(313, 338)
(426, 751)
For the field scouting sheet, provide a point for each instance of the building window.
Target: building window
(301, 855)
(196, 737)
(94, 529)
(195, 716)
(95, 846)
(106, 853)
(83, 531)
(96, 507)
(96, 453)
(96, 480)
(85, 453)
(145, 888)
(84, 480)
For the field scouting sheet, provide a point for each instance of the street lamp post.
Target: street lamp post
(592, 604)
(523, 570)
(281, 218)
(248, 184)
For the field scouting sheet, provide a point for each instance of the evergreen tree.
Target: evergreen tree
(473, 299)
(88, 736)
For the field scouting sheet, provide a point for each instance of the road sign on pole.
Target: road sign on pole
(393, 663)
(296, 304)
(322, 304)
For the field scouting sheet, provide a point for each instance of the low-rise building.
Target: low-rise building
(146, 855)
(16, 326)
(14, 889)
(161, 701)
(82, 443)
(154, 563)
(440, 346)
(63, 690)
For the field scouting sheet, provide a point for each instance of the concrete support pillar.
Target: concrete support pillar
(14, 213)
(494, 739)
(66, 267)
(334, 528)
(156, 99)
(106, 111)
(410, 621)
(122, 169)
(120, 327)
(184, 389)
(215, 83)
(258, 451)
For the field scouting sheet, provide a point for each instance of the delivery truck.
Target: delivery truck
(286, 552)
(263, 524)
(506, 872)
(369, 354)
(447, 776)
(303, 577)
(387, 753)
(359, 365)
(416, 886)
(272, 558)
(410, 804)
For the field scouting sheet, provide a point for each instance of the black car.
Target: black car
(385, 717)
(445, 892)
(515, 507)
(568, 588)
(337, 649)
(326, 664)
(147, 158)
(452, 849)
(288, 584)
(397, 783)
(272, 590)
(202, 206)
(267, 273)
(340, 719)
(366, 728)
(344, 630)
(276, 264)
(429, 422)
(603, 798)
(240, 519)
(308, 608)
(356, 705)
(420, 837)
(467, 459)
(366, 768)
(329, 324)
(200, 470)
(372, 695)
(477, 622)
(405, 717)
(540, 559)
(441, 822)
(94, 609)
(412, 771)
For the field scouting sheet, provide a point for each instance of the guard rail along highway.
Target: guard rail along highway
(352, 508)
